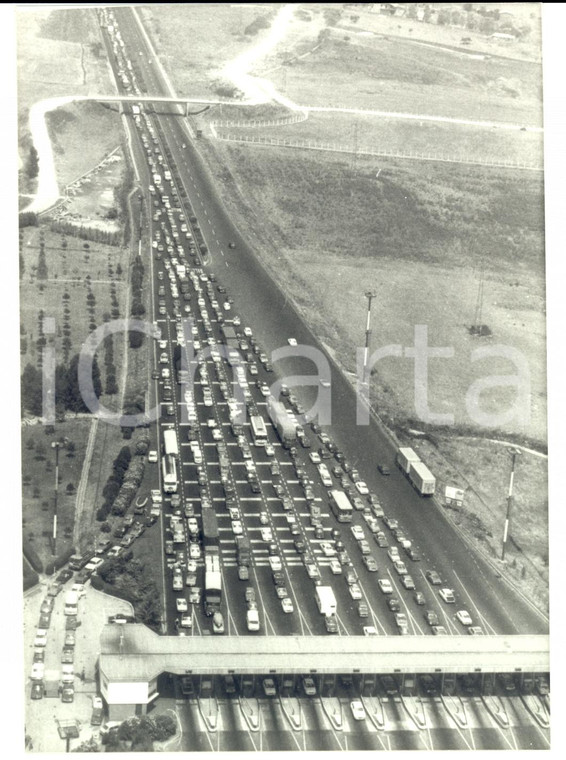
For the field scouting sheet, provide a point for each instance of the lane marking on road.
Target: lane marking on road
(481, 617)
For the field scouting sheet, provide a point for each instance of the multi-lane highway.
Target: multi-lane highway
(389, 564)
(261, 304)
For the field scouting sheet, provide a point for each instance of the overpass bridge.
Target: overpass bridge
(133, 658)
(138, 100)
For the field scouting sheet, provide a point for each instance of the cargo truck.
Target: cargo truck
(209, 529)
(243, 550)
(325, 600)
(422, 478)
(404, 458)
(286, 428)
(212, 582)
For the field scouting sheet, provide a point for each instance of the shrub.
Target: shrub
(33, 558)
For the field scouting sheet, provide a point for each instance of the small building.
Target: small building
(453, 497)
(502, 37)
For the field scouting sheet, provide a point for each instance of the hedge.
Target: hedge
(59, 561)
(32, 557)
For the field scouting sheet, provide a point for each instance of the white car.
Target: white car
(370, 630)
(269, 450)
(266, 534)
(325, 383)
(263, 518)
(247, 332)
(191, 566)
(362, 488)
(97, 703)
(385, 585)
(355, 591)
(217, 434)
(156, 496)
(275, 563)
(314, 457)
(464, 617)
(94, 563)
(237, 529)
(292, 341)
(357, 532)
(357, 709)
(37, 671)
(79, 588)
(447, 595)
(335, 567)
(194, 551)
(187, 621)
(287, 605)
(327, 549)
(152, 456)
(181, 604)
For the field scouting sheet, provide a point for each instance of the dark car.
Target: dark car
(37, 690)
(394, 604)
(431, 617)
(67, 694)
(300, 546)
(64, 576)
(384, 469)
(278, 578)
(68, 656)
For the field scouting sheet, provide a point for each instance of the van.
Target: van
(252, 619)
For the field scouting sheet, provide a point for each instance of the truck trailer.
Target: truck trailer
(404, 458)
(212, 582)
(422, 478)
(170, 443)
(209, 529)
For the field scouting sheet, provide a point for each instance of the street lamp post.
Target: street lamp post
(369, 295)
(56, 445)
(514, 453)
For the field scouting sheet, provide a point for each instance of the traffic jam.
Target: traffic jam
(268, 528)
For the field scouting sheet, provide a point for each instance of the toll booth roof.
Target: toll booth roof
(134, 652)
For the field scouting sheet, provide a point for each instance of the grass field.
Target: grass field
(81, 135)
(359, 133)
(38, 475)
(67, 268)
(59, 53)
(392, 75)
(194, 41)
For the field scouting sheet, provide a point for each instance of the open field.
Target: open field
(81, 135)
(38, 474)
(68, 262)
(188, 39)
(392, 75)
(46, 39)
(359, 133)
(455, 461)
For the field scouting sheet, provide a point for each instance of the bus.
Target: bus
(259, 431)
(341, 506)
(169, 469)
(170, 443)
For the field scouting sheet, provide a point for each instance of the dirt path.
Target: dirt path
(80, 511)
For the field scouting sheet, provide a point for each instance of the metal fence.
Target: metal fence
(368, 151)
(284, 121)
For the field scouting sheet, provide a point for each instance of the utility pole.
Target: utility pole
(514, 453)
(369, 295)
(56, 445)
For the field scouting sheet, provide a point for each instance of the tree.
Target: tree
(32, 390)
(70, 489)
(73, 397)
(443, 17)
(71, 449)
(32, 166)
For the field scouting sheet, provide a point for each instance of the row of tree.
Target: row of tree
(68, 396)
(114, 483)
(95, 234)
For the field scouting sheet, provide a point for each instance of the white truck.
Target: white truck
(405, 456)
(422, 478)
(170, 442)
(326, 601)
